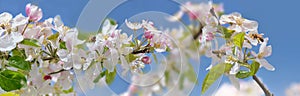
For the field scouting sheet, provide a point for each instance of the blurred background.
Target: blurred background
(278, 19)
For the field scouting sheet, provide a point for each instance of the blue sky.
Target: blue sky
(278, 19)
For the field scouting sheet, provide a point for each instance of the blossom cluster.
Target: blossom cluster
(42, 57)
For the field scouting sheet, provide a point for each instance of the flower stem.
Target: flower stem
(262, 86)
(25, 27)
(56, 72)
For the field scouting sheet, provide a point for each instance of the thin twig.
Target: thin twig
(56, 72)
(23, 31)
(262, 86)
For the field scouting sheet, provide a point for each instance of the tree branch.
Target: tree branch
(262, 86)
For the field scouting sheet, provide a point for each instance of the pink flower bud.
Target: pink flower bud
(133, 89)
(146, 60)
(33, 12)
(47, 77)
(148, 35)
(192, 15)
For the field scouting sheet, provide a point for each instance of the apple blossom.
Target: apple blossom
(264, 51)
(238, 23)
(133, 26)
(9, 40)
(34, 12)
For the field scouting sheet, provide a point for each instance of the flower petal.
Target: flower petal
(235, 81)
(266, 64)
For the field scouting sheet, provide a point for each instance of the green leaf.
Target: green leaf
(181, 81)
(242, 74)
(227, 32)
(62, 45)
(155, 58)
(238, 39)
(191, 74)
(19, 62)
(112, 21)
(31, 42)
(69, 90)
(54, 36)
(214, 73)
(254, 68)
(11, 80)
(167, 76)
(131, 57)
(102, 74)
(110, 76)
(19, 52)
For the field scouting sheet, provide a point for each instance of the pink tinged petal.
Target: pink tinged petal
(6, 43)
(234, 81)
(247, 45)
(34, 12)
(57, 21)
(236, 15)
(148, 35)
(146, 60)
(27, 8)
(17, 37)
(19, 20)
(62, 54)
(236, 28)
(254, 54)
(224, 19)
(250, 25)
(268, 51)
(266, 64)
(76, 60)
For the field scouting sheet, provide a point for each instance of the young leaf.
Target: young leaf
(181, 81)
(9, 94)
(62, 45)
(227, 32)
(31, 42)
(110, 76)
(254, 68)
(242, 74)
(131, 57)
(191, 74)
(69, 90)
(238, 39)
(155, 58)
(11, 80)
(214, 73)
(102, 74)
(54, 36)
(19, 62)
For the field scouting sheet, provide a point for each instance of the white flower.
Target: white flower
(197, 11)
(238, 23)
(5, 17)
(264, 51)
(8, 41)
(134, 26)
(71, 38)
(19, 20)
